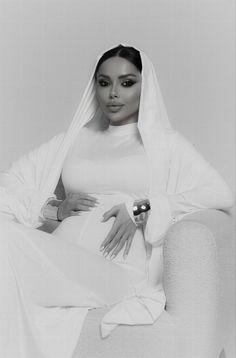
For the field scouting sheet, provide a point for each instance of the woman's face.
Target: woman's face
(118, 88)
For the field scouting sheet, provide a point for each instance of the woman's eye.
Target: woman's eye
(128, 83)
(103, 83)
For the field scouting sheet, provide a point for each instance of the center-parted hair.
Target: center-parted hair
(127, 52)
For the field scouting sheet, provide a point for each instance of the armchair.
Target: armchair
(198, 321)
(199, 286)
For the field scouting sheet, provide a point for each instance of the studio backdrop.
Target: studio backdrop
(47, 48)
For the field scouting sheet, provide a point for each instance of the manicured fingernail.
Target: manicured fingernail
(101, 248)
(105, 254)
(113, 256)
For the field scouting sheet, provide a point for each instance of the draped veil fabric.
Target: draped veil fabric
(33, 178)
(180, 181)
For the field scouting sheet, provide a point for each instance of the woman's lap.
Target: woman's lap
(87, 230)
(55, 272)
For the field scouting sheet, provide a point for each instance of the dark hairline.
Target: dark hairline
(132, 55)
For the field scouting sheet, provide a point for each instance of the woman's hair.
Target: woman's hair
(126, 52)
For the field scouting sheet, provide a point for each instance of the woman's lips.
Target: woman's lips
(114, 107)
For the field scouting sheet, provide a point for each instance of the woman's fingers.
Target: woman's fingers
(74, 213)
(83, 205)
(113, 243)
(120, 245)
(77, 199)
(110, 213)
(110, 236)
(86, 202)
(128, 245)
(82, 202)
(76, 202)
(80, 208)
(82, 196)
(123, 228)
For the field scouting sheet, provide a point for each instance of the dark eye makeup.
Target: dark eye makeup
(126, 83)
(103, 83)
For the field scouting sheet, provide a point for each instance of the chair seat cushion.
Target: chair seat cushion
(158, 340)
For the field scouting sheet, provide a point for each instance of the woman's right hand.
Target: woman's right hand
(74, 204)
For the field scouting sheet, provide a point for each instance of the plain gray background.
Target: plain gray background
(48, 47)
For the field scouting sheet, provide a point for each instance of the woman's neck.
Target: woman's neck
(124, 129)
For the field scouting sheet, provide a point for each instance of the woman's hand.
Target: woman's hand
(121, 233)
(74, 203)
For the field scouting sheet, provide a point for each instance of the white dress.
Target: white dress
(43, 275)
(112, 167)
(66, 269)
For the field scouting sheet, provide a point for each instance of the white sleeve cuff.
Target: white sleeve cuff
(129, 206)
(159, 220)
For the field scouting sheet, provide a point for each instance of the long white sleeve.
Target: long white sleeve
(22, 194)
(192, 185)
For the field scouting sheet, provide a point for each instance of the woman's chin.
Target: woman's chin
(119, 118)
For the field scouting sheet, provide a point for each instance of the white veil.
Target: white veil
(26, 186)
(152, 121)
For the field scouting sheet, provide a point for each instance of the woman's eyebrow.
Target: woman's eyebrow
(121, 76)
(128, 75)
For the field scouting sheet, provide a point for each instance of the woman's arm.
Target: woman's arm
(192, 185)
(22, 192)
(72, 205)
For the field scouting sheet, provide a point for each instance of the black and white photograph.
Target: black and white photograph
(117, 179)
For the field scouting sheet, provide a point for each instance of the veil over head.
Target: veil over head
(153, 123)
(41, 169)
(25, 188)
(152, 119)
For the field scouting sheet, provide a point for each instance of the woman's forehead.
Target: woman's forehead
(117, 66)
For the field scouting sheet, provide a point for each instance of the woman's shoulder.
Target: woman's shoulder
(180, 147)
(175, 139)
(87, 133)
(52, 144)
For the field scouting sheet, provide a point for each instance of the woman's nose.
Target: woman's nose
(114, 92)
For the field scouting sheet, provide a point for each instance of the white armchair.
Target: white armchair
(199, 283)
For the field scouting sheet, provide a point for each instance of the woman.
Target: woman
(120, 157)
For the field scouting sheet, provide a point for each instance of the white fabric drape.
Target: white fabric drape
(33, 178)
(180, 182)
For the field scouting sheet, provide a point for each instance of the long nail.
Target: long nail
(113, 256)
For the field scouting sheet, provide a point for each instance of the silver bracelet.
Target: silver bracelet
(140, 211)
(50, 209)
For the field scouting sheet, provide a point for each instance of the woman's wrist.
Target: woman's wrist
(141, 209)
(141, 206)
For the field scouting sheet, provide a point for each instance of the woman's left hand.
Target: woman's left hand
(121, 233)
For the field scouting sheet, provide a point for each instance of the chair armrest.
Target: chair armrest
(198, 275)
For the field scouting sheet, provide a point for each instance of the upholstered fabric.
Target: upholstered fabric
(199, 285)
